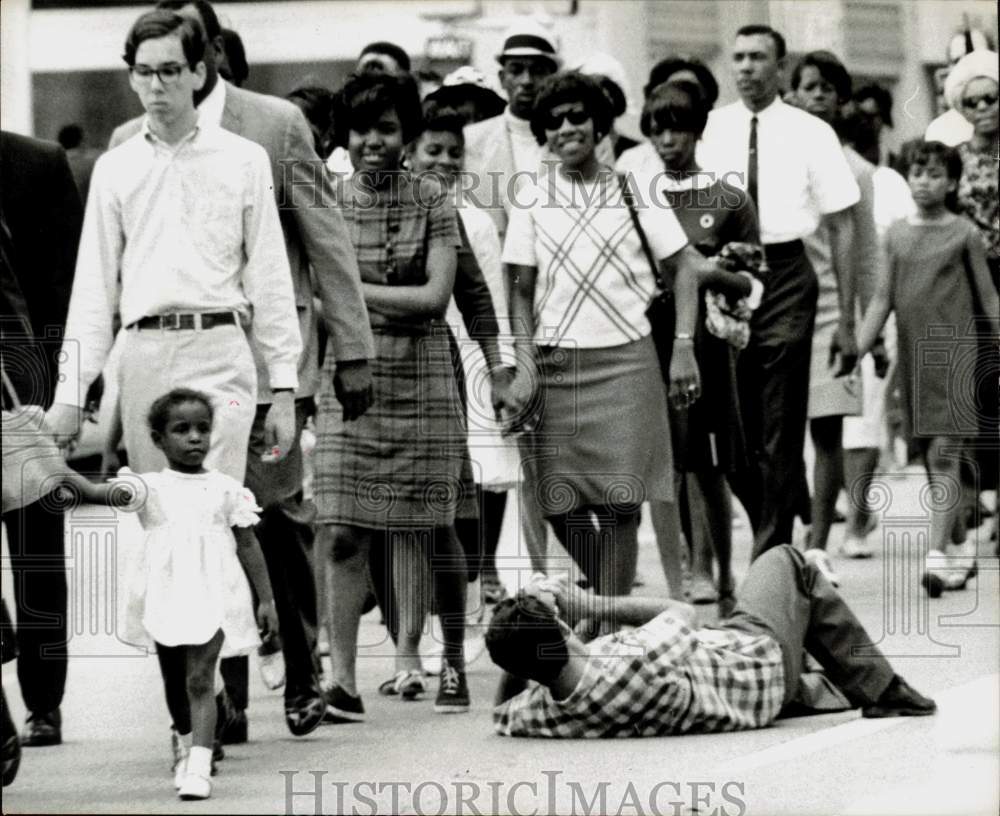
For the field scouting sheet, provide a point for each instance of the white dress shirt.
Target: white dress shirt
(211, 107)
(186, 228)
(801, 170)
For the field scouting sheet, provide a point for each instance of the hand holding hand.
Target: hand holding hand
(843, 350)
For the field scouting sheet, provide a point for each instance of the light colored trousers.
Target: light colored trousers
(217, 361)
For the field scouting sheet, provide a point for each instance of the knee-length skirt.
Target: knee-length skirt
(603, 436)
(400, 464)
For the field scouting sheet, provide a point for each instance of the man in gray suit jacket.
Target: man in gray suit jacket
(322, 260)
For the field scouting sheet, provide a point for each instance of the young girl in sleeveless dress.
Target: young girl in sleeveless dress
(939, 287)
(188, 595)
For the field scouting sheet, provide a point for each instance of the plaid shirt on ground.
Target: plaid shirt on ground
(662, 678)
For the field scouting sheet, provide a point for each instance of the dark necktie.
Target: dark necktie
(752, 163)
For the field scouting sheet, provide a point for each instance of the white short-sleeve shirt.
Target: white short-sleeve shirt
(801, 170)
(594, 281)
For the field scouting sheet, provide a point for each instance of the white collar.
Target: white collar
(211, 107)
(699, 181)
(771, 109)
(152, 139)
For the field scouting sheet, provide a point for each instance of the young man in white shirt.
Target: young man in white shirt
(182, 237)
(794, 168)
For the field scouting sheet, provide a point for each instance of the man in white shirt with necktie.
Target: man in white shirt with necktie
(181, 236)
(792, 165)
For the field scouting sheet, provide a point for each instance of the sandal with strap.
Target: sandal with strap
(406, 684)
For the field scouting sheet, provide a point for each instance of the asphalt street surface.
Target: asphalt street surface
(407, 759)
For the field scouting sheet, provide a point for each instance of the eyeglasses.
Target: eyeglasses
(168, 74)
(973, 102)
(576, 117)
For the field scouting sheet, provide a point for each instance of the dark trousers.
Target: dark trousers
(37, 557)
(773, 378)
(793, 602)
(285, 533)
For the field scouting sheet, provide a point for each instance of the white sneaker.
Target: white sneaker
(821, 560)
(197, 782)
(195, 786)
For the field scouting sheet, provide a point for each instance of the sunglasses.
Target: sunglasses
(973, 102)
(575, 117)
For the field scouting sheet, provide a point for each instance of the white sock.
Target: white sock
(200, 761)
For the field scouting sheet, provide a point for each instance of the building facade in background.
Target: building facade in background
(62, 58)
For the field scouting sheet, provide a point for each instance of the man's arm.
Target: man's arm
(93, 303)
(840, 228)
(308, 192)
(625, 610)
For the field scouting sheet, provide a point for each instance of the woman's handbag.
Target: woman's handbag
(725, 319)
(661, 312)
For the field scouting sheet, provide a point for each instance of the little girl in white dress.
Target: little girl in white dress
(187, 593)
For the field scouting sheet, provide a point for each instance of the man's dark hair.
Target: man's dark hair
(390, 50)
(70, 136)
(525, 640)
(236, 57)
(162, 23)
(159, 411)
(881, 97)
(571, 86)
(674, 106)
(209, 19)
(780, 49)
(365, 97)
(666, 68)
(830, 68)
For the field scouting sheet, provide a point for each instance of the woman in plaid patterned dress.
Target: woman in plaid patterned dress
(392, 478)
(581, 285)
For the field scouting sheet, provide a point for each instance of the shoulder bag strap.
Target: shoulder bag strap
(629, 199)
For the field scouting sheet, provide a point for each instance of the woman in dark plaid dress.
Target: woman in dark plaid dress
(393, 477)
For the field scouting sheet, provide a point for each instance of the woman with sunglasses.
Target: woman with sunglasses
(588, 389)
(972, 88)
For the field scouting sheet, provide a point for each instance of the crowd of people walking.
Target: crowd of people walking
(461, 296)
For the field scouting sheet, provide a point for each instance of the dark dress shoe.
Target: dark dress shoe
(304, 713)
(42, 729)
(234, 732)
(900, 699)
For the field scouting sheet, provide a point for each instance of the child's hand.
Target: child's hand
(267, 617)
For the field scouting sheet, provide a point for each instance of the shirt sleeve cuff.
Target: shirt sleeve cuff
(283, 375)
(756, 292)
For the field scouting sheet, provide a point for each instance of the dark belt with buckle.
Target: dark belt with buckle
(181, 322)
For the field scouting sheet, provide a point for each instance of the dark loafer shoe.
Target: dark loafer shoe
(42, 729)
(900, 700)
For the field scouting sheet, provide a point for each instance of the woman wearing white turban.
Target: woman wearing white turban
(973, 89)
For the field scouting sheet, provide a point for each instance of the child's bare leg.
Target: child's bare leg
(201, 665)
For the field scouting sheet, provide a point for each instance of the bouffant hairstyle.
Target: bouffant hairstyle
(571, 86)
(830, 68)
(666, 68)
(365, 97)
(674, 106)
